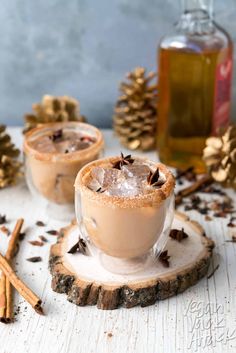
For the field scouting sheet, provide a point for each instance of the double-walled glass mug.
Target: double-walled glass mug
(124, 232)
(50, 174)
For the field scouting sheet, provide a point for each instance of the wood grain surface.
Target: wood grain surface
(84, 285)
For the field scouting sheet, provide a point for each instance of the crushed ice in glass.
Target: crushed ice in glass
(130, 181)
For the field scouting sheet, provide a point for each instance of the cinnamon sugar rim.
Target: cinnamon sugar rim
(57, 156)
(151, 199)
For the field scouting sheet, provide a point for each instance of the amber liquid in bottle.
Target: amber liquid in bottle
(195, 71)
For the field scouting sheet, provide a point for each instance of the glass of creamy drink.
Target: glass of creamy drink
(54, 153)
(125, 208)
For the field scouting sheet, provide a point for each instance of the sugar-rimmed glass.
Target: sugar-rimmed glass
(50, 176)
(124, 233)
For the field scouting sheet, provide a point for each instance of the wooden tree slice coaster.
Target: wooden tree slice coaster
(86, 282)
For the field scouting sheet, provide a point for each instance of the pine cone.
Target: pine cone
(220, 157)
(135, 114)
(9, 166)
(53, 109)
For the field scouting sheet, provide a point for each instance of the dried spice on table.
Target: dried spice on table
(221, 207)
(22, 236)
(5, 230)
(52, 232)
(164, 258)
(187, 174)
(42, 237)
(178, 234)
(40, 224)
(3, 219)
(36, 242)
(193, 188)
(34, 259)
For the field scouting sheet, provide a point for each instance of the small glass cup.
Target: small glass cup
(50, 176)
(125, 233)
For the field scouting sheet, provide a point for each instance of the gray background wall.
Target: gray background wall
(81, 48)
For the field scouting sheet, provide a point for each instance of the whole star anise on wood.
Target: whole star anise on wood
(123, 160)
(79, 246)
(164, 258)
(178, 234)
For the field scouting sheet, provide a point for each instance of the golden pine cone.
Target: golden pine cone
(53, 109)
(135, 114)
(9, 166)
(220, 157)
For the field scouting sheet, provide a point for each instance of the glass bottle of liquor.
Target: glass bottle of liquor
(195, 73)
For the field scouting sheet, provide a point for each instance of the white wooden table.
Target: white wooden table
(203, 319)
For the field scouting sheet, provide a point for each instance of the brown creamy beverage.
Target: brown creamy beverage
(122, 203)
(54, 155)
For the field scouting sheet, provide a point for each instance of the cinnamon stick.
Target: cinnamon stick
(6, 307)
(205, 180)
(20, 286)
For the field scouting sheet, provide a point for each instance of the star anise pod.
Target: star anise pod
(57, 135)
(153, 178)
(79, 246)
(164, 258)
(178, 234)
(3, 219)
(123, 160)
